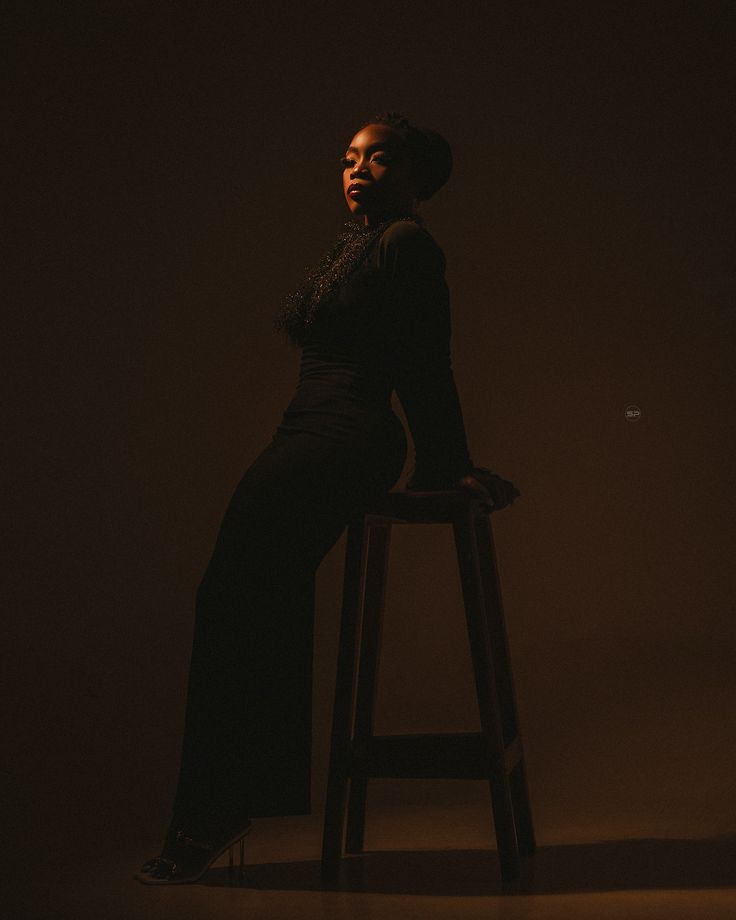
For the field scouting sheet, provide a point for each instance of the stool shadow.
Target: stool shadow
(603, 866)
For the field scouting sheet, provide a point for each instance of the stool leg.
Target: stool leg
(504, 680)
(337, 780)
(490, 713)
(379, 541)
(522, 809)
(496, 626)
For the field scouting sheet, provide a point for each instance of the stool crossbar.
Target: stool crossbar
(357, 755)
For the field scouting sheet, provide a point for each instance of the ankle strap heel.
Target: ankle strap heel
(185, 859)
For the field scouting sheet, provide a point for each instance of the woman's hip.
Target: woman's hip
(309, 468)
(296, 497)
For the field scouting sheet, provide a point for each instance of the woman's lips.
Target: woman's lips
(356, 192)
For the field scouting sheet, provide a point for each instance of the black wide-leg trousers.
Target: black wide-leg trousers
(248, 726)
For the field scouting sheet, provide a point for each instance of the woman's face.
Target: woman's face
(376, 164)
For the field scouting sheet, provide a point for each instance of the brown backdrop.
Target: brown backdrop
(175, 170)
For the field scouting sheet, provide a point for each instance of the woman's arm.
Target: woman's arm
(424, 379)
(423, 375)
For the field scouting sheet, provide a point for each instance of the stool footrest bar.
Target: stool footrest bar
(456, 755)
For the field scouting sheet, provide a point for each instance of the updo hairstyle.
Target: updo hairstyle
(429, 152)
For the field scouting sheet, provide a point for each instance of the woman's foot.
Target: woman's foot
(187, 854)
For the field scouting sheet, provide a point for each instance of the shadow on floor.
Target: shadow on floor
(605, 866)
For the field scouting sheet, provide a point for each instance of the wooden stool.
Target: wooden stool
(495, 753)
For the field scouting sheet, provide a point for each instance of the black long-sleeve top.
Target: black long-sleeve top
(387, 327)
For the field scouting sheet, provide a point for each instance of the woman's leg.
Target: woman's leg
(248, 731)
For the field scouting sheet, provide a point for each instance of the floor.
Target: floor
(420, 862)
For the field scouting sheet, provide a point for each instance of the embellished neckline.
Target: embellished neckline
(349, 250)
(357, 228)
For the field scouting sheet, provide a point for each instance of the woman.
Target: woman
(373, 316)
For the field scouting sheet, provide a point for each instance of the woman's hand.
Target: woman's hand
(498, 492)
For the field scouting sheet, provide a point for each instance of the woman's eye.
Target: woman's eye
(381, 158)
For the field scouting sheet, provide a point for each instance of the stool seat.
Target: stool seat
(409, 507)
(357, 754)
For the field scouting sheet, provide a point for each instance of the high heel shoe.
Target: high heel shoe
(185, 858)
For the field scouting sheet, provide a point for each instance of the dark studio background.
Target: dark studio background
(174, 169)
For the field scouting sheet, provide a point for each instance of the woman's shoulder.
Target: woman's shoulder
(406, 230)
(408, 241)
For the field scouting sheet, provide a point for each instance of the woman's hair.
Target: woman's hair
(429, 152)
